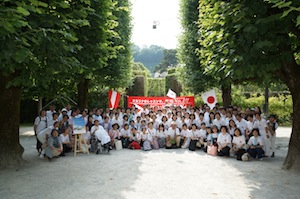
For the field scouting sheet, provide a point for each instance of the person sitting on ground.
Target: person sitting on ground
(152, 132)
(202, 135)
(125, 134)
(102, 135)
(114, 134)
(134, 139)
(161, 136)
(54, 146)
(172, 134)
(65, 141)
(194, 138)
(224, 142)
(145, 138)
(255, 144)
(186, 134)
(238, 143)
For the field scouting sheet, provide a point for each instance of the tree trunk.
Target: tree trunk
(83, 87)
(292, 74)
(10, 99)
(266, 105)
(226, 95)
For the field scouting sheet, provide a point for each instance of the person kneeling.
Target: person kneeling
(255, 145)
(65, 140)
(54, 146)
(224, 142)
(239, 142)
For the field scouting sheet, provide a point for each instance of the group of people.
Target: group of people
(224, 130)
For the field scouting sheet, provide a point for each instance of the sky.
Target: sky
(166, 15)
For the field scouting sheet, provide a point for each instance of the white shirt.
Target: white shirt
(185, 133)
(97, 117)
(152, 132)
(249, 125)
(41, 123)
(202, 133)
(254, 141)
(261, 125)
(50, 122)
(224, 139)
(161, 134)
(64, 138)
(218, 123)
(125, 132)
(172, 132)
(239, 141)
(101, 134)
(242, 125)
(49, 114)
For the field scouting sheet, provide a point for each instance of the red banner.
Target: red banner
(161, 101)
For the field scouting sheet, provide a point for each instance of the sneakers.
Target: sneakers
(261, 159)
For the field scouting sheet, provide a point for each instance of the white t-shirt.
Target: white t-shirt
(202, 133)
(49, 114)
(249, 126)
(239, 141)
(242, 125)
(261, 125)
(41, 123)
(161, 134)
(195, 134)
(42, 134)
(125, 132)
(218, 123)
(224, 139)
(185, 133)
(254, 141)
(172, 132)
(97, 117)
(152, 132)
(64, 138)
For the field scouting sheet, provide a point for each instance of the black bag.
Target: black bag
(192, 146)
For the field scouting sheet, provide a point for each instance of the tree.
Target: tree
(251, 41)
(169, 60)
(197, 70)
(150, 56)
(36, 40)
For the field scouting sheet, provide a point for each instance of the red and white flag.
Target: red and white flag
(138, 107)
(113, 99)
(171, 94)
(210, 98)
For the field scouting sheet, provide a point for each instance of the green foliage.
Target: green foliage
(140, 69)
(139, 87)
(156, 87)
(169, 60)
(150, 57)
(173, 84)
(193, 77)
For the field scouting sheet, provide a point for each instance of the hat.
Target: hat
(252, 109)
(64, 110)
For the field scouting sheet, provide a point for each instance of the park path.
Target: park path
(155, 174)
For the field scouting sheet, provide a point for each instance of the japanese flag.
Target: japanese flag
(113, 99)
(171, 94)
(210, 98)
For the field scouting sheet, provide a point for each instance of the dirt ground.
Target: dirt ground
(176, 173)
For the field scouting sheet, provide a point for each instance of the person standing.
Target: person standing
(272, 126)
(40, 123)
